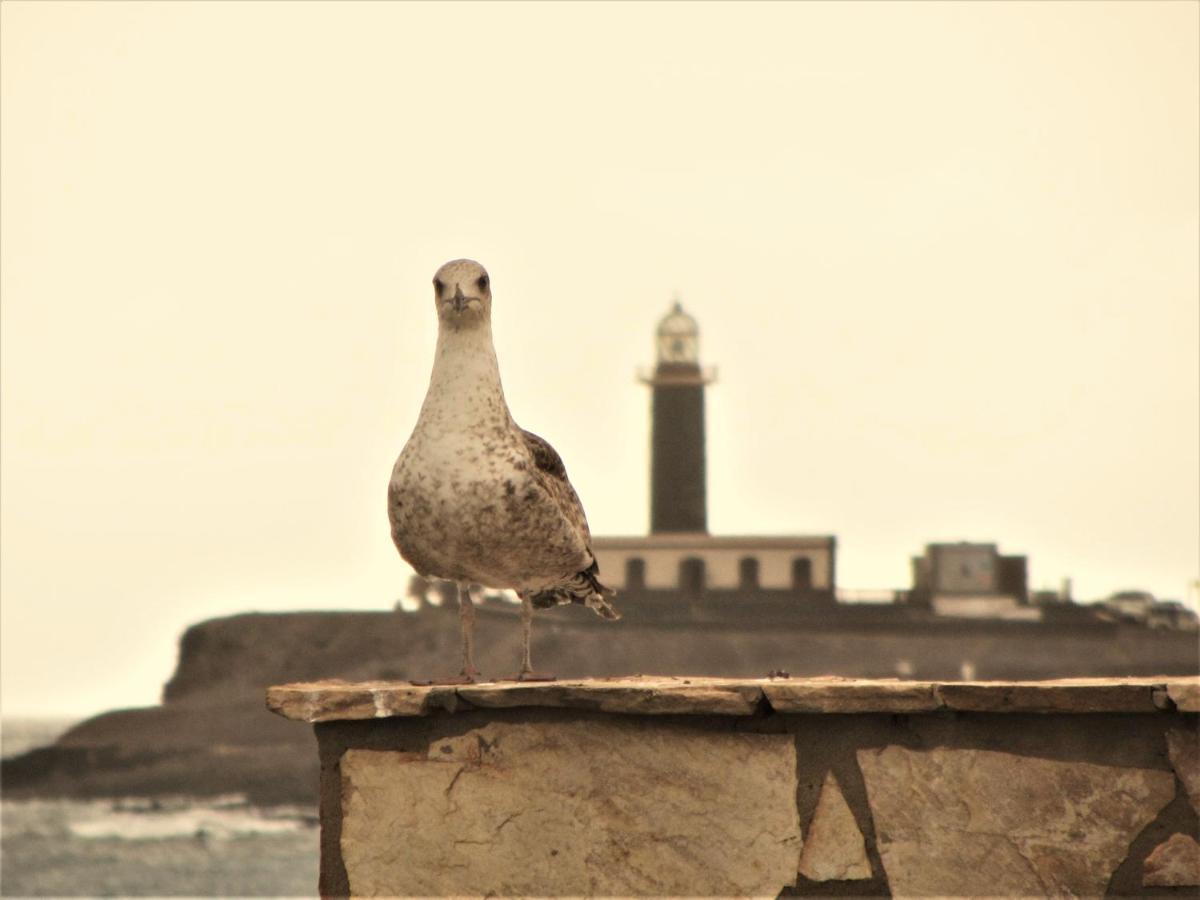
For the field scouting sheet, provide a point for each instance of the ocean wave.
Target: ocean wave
(148, 819)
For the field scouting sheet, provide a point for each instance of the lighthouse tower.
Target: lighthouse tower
(677, 471)
(679, 570)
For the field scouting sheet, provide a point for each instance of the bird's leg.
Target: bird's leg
(526, 631)
(466, 617)
(527, 673)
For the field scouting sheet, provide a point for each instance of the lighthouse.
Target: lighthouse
(679, 570)
(678, 499)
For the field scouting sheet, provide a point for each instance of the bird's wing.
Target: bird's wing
(584, 588)
(545, 457)
(554, 473)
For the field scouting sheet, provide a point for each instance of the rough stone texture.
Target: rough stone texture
(844, 695)
(1075, 695)
(573, 808)
(1174, 863)
(1185, 693)
(323, 701)
(646, 696)
(1183, 747)
(834, 849)
(973, 822)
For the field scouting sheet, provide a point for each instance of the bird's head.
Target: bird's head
(462, 293)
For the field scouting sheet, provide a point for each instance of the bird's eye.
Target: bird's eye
(482, 282)
(437, 285)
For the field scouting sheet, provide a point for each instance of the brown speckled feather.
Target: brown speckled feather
(585, 586)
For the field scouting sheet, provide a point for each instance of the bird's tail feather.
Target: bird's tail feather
(584, 588)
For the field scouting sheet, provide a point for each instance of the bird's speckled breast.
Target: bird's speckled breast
(470, 506)
(466, 500)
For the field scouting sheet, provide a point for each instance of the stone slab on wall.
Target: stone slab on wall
(574, 808)
(716, 787)
(322, 701)
(951, 821)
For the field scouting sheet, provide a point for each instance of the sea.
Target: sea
(149, 847)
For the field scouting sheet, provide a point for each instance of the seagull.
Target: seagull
(476, 499)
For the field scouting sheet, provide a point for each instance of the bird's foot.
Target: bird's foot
(530, 675)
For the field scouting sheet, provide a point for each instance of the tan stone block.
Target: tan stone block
(326, 701)
(1185, 693)
(613, 808)
(834, 849)
(1183, 747)
(978, 822)
(1173, 863)
(815, 695)
(638, 695)
(1067, 695)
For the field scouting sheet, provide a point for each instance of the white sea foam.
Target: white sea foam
(139, 819)
(158, 848)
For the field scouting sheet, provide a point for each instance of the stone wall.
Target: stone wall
(713, 787)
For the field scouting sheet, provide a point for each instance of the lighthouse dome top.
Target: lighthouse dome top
(678, 338)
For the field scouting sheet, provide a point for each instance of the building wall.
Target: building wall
(722, 564)
(722, 567)
(965, 568)
(985, 606)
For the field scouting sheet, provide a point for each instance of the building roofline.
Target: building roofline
(713, 542)
(954, 545)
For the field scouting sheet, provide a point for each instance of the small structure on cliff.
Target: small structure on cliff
(972, 580)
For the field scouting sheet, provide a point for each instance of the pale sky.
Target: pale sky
(944, 256)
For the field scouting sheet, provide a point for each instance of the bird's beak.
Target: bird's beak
(460, 302)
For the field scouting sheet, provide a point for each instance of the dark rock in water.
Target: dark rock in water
(213, 734)
(206, 748)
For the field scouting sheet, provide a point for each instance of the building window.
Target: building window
(635, 573)
(801, 573)
(748, 573)
(691, 576)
